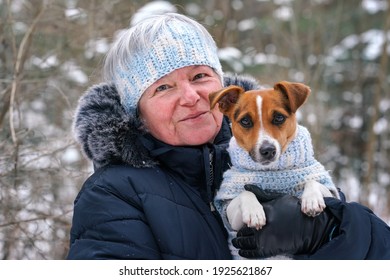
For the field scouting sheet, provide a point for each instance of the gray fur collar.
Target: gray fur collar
(108, 135)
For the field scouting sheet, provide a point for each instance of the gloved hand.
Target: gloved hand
(261, 195)
(288, 231)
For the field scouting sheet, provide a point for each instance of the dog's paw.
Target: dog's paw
(253, 215)
(313, 202)
(312, 206)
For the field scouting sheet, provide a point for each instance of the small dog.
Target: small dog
(270, 150)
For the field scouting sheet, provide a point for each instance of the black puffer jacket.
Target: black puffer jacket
(146, 199)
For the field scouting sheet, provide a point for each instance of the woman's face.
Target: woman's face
(176, 108)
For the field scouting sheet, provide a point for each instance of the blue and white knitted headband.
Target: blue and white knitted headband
(174, 46)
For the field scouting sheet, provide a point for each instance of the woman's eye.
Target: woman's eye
(278, 119)
(199, 76)
(162, 88)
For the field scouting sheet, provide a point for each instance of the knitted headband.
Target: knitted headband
(178, 44)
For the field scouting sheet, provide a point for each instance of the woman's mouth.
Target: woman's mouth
(194, 116)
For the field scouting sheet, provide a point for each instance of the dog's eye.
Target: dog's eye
(278, 119)
(246, 122)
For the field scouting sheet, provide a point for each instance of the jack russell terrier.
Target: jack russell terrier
(270, 150)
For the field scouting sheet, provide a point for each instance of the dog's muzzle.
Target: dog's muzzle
(265, 154)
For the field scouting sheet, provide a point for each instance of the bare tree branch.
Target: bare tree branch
(44, 217)
(20, 59)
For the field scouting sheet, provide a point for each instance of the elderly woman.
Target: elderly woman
(159, 153)
(157, 148)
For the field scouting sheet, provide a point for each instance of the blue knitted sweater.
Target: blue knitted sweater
(288, 175)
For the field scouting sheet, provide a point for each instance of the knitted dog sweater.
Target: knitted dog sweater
(288, 175)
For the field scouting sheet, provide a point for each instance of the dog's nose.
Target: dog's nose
(268, 151)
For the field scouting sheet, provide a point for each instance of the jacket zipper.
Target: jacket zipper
(211, 181)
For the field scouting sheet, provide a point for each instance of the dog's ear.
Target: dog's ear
(225, 97)
(295, 93)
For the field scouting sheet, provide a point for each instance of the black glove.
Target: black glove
(288, 231)
(261, 195)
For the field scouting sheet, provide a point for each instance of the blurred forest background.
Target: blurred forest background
(51, 52)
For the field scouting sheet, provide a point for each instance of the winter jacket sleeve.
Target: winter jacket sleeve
(361, 234)
(108, 222)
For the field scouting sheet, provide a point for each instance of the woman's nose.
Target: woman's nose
(189, 96)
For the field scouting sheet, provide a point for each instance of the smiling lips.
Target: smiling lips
(194, 116)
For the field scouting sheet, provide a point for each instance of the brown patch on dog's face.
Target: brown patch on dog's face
(245, 120)
(263, 121)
